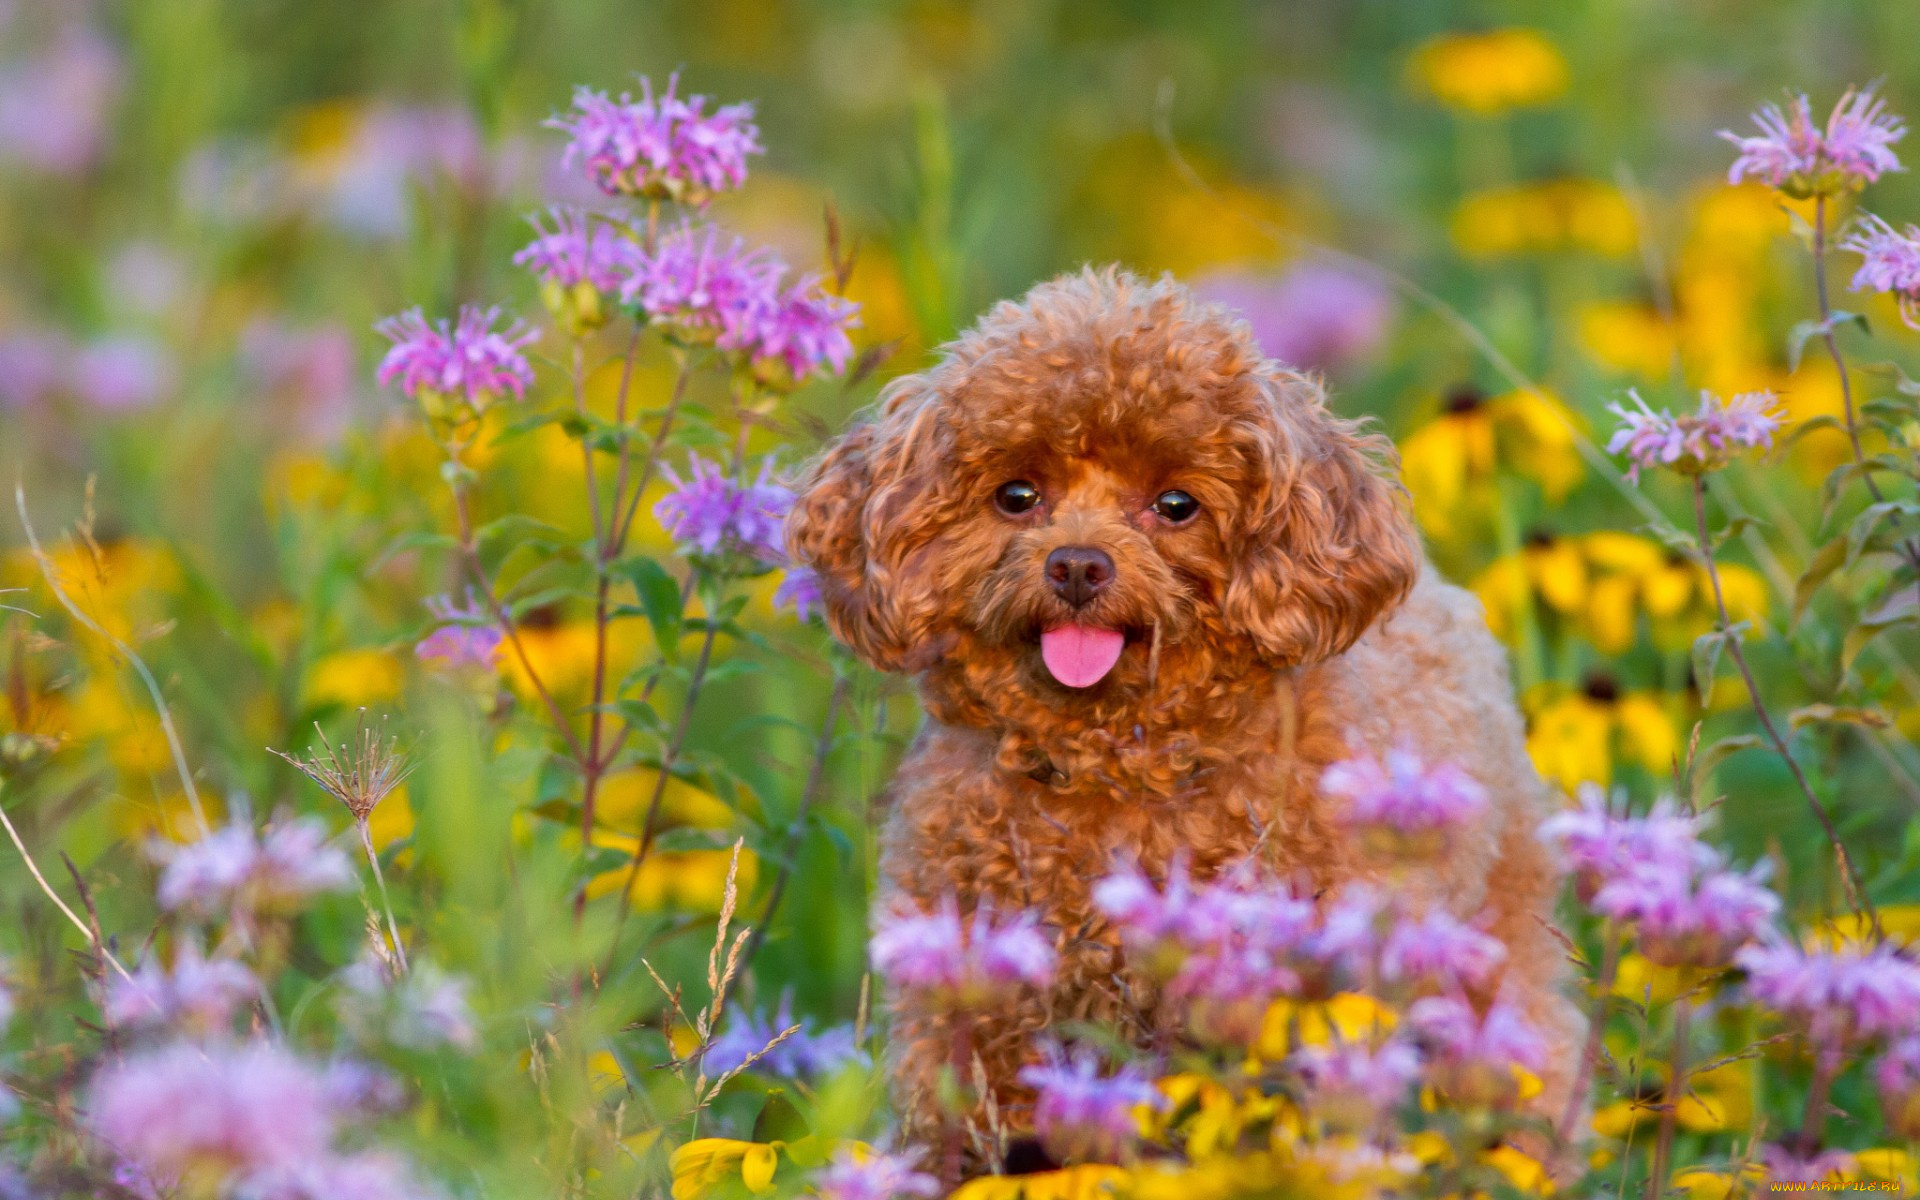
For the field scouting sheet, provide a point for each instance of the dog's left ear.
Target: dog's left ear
(1324, 547)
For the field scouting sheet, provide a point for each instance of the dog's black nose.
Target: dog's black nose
(1079, 573)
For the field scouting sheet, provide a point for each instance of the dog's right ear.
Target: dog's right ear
(858, 522)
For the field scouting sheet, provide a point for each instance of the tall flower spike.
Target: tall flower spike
(1794, 155)
(360, 772)
(1704, 441)
(1889, 262)
(659, 147)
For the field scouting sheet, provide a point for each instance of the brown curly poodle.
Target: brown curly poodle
(1151, 589)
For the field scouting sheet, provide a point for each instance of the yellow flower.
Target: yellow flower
(683, 880)
(1485, 73)
(352, 678)
(625, 797)
(701, 1166)
(1525, 1173)
(1087, 1182)
(1883, 1164)
(1630, 338)
(1555, 216)
(1717, 1100)
(1450, 463)
(1577, 737)
(1900, 922)
(1701, 1184)
(1351, 1016)
(1548, 569)
(1635, 575)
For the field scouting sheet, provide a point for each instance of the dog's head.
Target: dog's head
(1103, 466)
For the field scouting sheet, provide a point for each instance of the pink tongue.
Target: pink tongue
(1080, 656)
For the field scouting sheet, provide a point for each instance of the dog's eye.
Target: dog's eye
(1176, 507)
(1015, 496)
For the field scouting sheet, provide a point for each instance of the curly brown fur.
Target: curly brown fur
(1292, 620)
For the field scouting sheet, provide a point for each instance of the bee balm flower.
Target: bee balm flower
(578, 262)
(1800, 159)
(1889, 262)
(454, 372)
(1083, 1116)
(1402, 806)
(969, 964)
(659, 147)
(1705, 441)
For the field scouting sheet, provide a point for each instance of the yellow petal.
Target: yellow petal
(1522, 1171)
(1647, 732)
(1612, 615)
(1668, 589)
(756, 1168)
(1622, 552)
(1559, 570)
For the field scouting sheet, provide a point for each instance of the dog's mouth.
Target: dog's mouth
(1079, 656)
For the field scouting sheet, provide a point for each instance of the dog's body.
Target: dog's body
(1215, 665)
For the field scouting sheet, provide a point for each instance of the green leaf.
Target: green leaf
(1809, 425)
(1869, 628)
(659, 595)
(1870, 716)
(1797, 337)
(1707, 761)
(1706, 658)
(1820, 567)
(1734, 527)
(497, 539)
(1868, 523)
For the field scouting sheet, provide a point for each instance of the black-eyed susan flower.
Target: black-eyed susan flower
(1577, 737)
(1451, 463)
(1547, 570)
(1633, 576)
(1487, 73)
(1550, 217)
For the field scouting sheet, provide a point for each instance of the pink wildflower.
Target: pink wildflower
(1351, 1085)
(711, 515)
(659, 147)
(1689, 918)
(1475, 1059)
(469, 638)
(1403, 806)
(456, 371)
(1842, 998)
(212, 1112)
(581, 260)
(1797, 157)
(197, 995)
(1897, 1075)
(1436, 951)
(1694, 445)
(1084, 1116)
(858, 1174)
(1889, 262)
(969, 965)
(234, 871)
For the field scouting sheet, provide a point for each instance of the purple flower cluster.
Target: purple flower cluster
(804, 1055)
(1229, 948)
(1598, 846)
(309, 373)
(1796, 156)
(659, 147)
(711, 290)
(1351, 1085)
(250, 1119)
(859, 1174)
(711, 515)
(799, 590)
(56, 103)
(965, 964)
(1084, 1116)
(1889, 262)
(234, 871)
(468, 639)
(197, 996)
(1436, 951)
(1656, 875)
(578, 262)
(1841, 998)
(1475, 1058)
(1693, 445)
(1401, 805)
(456, 370)
(1897, 1076)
